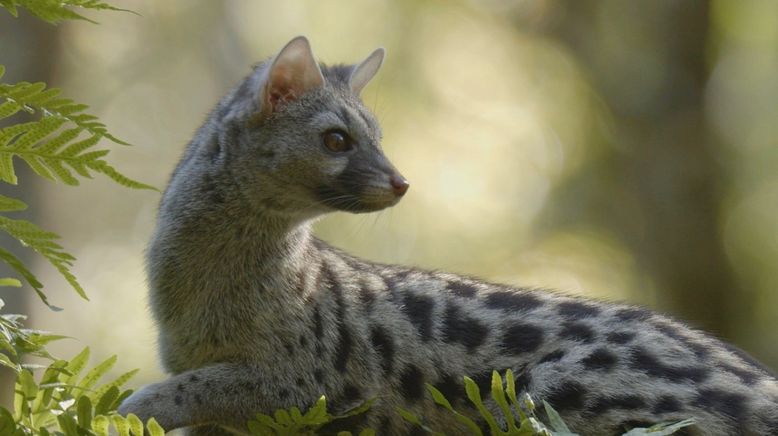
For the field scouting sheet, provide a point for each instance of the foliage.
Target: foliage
(293, 422)
(60, 142)
(518, 413)
(58, 145)
(64, 400)
(55, 11)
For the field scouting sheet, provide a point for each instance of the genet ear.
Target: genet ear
(292, 73)
(365, 71)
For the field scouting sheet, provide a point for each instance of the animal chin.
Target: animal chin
(356, 204)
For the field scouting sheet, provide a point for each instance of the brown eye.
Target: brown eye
(337, 141)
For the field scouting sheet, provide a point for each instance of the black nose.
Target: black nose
(399, 184)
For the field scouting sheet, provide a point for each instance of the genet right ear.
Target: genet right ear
(365, 71)
(292, 73)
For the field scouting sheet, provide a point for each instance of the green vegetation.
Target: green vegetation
(518, 416)
(59, 144)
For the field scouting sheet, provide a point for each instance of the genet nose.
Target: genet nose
(399, 184)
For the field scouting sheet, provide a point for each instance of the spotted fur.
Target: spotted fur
(256, 314)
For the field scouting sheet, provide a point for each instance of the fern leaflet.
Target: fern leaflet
(43, 243)
(55, 11)
(59, 143)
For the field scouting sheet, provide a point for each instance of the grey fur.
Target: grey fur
(256, 314)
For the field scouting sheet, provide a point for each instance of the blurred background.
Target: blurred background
(618, 150)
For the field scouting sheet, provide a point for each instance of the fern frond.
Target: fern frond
(43, 243)
(29, 277)
(8, 204)
(55, 11)
(59, 143)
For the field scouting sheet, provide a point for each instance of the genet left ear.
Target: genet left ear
(294, 71)
(364, 72)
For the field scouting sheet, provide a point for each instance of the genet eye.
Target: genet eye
(337, 141)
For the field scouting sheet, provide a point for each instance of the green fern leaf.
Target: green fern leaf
(10, 282)
(33, 281)
(11, 6)
(51, 145)
(474, 394)
(117, 383)
(107, 401)
(100, 425)
(121, 425)
(498, 394)
(154, 428)
(54, 11)
(76, 365)
(8, 204)
(103, 167)
(7, 173)
(43, 243)
(95, 373)
(136, 425)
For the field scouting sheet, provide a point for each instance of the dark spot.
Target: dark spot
(418, 431)
(318, 328)
(461, 289)
(385, 424)
(600, 359)
(632, 314)
(622, 402)
(412, 383)
(667, 404)
(642, 360)
(671, 331)
(351, 394)
(207, 384)
(567, 396)
(512, 301)
(462, 329)
(522, 338)
(746, 376)
(366, 297)
(283, 393)
(576, 331)
(289, 348)
(484, 382)
(384, 345)
(700, 351)
(344, 349)
(318, 374)
(299, 381)
(725, 403)
(419, 310)
(483, 426)
(178, 400)
(552, 356)
(393, 280)
(180, 387)
(345, 341)
(212, 189)
(193, 378)
(620, 337)
(451, 388)
(303, 341)
(577, 310)
(522, 380)
(198, 399)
